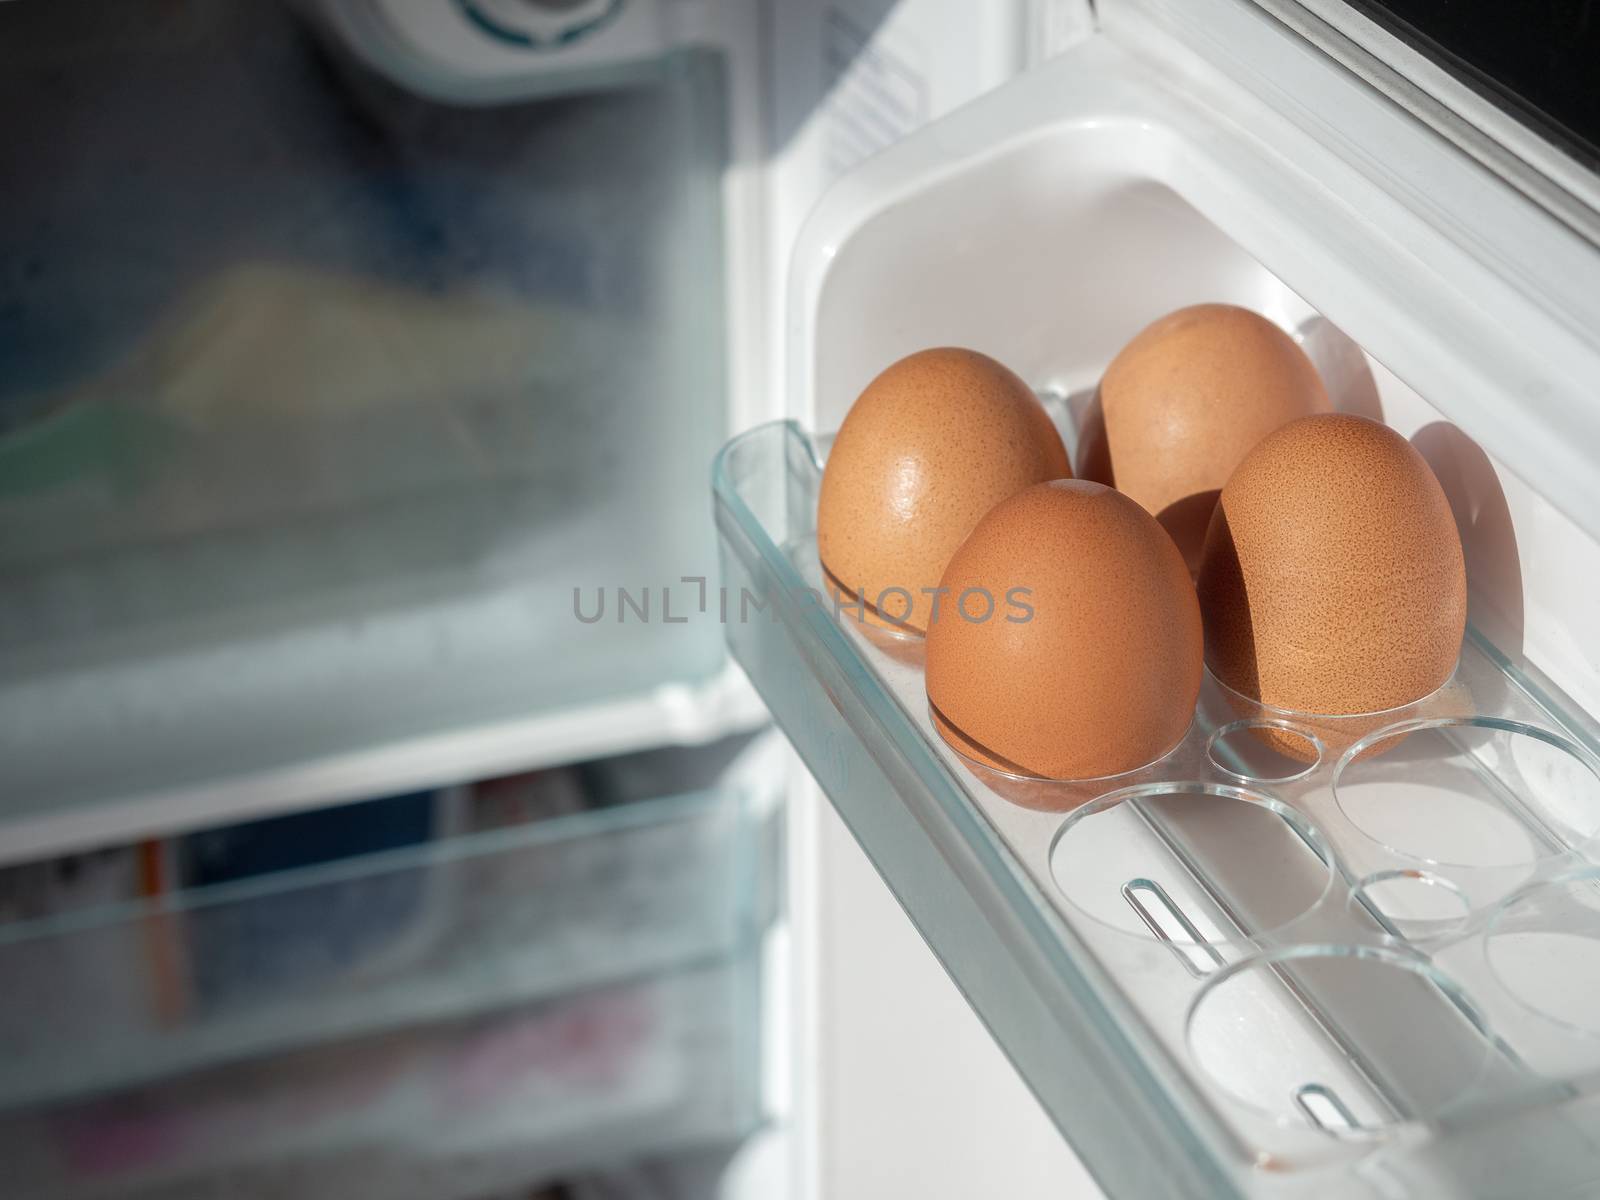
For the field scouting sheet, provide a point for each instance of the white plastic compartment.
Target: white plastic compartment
(1045, 225)
(320, 400)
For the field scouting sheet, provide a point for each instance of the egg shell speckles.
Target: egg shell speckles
(931, 445)
(1103, 677)
(1333, 579)
(1184, 402)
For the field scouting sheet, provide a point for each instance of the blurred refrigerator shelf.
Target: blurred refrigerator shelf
(467, 922)
(441, 1111)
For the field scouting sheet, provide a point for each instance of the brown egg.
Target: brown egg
(933, 443)
(1184, 402)
(1333, 580)
(1090, 662)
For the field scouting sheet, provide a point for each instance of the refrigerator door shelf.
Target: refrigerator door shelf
(1224, 973)
(1232, 981)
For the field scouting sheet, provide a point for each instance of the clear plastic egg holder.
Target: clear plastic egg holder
(1397, 931)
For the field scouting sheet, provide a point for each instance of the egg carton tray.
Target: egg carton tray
(1393, 928)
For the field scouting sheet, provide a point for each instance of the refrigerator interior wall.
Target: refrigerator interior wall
(1089, 199)
(324, 398)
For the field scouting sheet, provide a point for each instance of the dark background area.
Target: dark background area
(1538, 59)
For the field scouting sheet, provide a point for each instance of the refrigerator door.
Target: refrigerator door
(1217, 978)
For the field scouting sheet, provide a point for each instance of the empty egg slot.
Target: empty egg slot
(1389, 1040)
(1210, 841)
(1255, 751)
(1489, 795)
(1179, 933)
(1324, 1109)
(1412, 904)
(1543, 946)
(1233, 865)
(1384, 1037)
(1548, 840)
